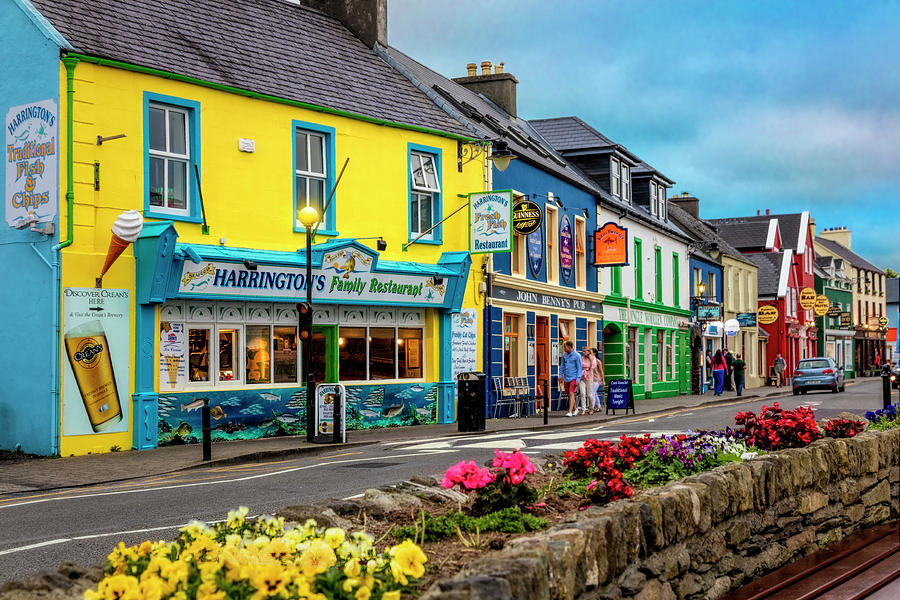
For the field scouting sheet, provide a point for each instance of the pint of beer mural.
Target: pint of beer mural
(88, 353)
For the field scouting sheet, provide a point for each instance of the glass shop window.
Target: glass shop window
(511, 345)
(258, 357)
(382, 353)
(229, 342)
(285, 356)
(198, 354)
(352, 351)
(660, 354)
(409, 350)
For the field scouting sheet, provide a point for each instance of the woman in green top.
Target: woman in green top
(738, 366)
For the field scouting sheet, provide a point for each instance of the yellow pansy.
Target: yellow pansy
(317, 558)
(334, 536)
(119, 587)
(410, 559)
(269, 579)
(392, 595)
(363, 593)
(152, 589)
(352, 568)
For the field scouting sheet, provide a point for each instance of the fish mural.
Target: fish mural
(261, 413)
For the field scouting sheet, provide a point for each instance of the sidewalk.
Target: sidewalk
(52, 473)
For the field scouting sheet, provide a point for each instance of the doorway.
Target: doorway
(324, 356)
(542, 368)
(613, 352)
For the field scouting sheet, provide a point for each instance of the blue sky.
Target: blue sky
(747, 105)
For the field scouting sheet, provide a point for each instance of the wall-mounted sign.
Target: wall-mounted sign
(545, 300)
(807, 298)
(527, 217)
(767, 314)
(883, 321)
(747, 319)
(620, 314)
(32, 163)
(172, 359)
(463, 342)
(709, 312)
(566, 250)
(97, 338)
(534, 246)
(845, 320)
(490, 222)
(732, 327)
(820, 308)
(834, 311)
(343, 278)
(611, 245)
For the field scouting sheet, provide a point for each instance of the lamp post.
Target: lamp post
(308, 217)
(696, 301)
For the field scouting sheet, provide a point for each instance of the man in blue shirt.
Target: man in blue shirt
(571, 374)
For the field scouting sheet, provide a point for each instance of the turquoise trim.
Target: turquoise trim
(330, 225)
(446, 400)
(193, 108)
(45, 27)
(437, 234)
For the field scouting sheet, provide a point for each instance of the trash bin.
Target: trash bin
(470, 412)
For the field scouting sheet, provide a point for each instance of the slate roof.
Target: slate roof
(767, 278)
(699, 230)
(568, 134)
(788, 224)
(643, 168)
(271, 47)
(743, 236)
(892, 290)
(847, 254)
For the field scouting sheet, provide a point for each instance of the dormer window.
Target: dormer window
(661, 201)
(626, 180)
(614, 170)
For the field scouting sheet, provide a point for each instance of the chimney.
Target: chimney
(687, 203)
(472, 69)
(841, 235)
(495, 84)
(812, 227)
(767, 212)
(367, 19)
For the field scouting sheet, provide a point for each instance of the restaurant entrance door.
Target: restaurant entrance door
(324, 354)
(542, 369)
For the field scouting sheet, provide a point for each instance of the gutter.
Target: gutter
(115, 64)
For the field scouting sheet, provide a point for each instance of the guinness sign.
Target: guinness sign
(527, 217)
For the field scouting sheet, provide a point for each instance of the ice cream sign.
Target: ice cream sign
(32, 163)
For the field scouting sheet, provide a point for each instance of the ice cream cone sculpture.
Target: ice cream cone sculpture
(125, 231)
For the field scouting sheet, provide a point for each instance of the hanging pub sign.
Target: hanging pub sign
(490, 222)
(883, 321)
(845, 320)
(527, 217)
(534, 246)
(834, 311)
(709, 312)
(807, 298)
(566, 250)
(747, 319)
(767, 314)
(611, 246)
(32, 164)
(822, 305)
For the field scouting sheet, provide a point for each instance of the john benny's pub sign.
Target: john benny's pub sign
(32, 163)
(345, 277)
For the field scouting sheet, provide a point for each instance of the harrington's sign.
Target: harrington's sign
(611, 245)
(330, 283)
(32, 163)
(527, 217)
(490, 222)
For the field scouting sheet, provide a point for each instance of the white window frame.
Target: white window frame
(653, 206)
(421, 158)
(615, 177)
(626, 183)
(167, 156)
(661, 200)
(310, 174)
(421, 193)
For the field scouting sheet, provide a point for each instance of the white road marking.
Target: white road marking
(501, 444)
(563, 446)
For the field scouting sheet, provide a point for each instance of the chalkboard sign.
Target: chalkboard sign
(621, 396)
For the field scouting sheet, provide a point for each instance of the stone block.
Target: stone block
(866, 481)
(701, 502)
(631, 580)
(718, 495)
(854, 512)
(572, 567)
(737, 532)
(877, 514)
(831, 511)
(650, 511)
(880, 493)
(801, 540)
(811, 502)
(688, 585)
(474, 587)
(706, 549)
(656, 590)
(892, 474)
(740, 486)
(719, 588)
(763, 482)
(594, 556)
(668, 563)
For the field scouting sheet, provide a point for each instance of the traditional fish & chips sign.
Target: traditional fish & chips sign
(32, 163)
(490, 222)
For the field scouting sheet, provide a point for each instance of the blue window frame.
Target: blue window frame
(171, 150)
(424, 175)
(313, 173)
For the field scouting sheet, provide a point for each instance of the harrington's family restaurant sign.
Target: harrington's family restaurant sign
(32, 163)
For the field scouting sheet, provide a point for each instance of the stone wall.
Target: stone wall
(700, 536)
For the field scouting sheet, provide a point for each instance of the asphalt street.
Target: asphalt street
(40, 531)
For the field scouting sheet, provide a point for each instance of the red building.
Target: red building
(782, 248)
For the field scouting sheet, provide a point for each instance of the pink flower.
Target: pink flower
(517, 465)
(467, 475)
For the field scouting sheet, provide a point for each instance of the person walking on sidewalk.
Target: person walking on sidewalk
(719, 368)
(571, 374)
(780, 366)
(738, 365)
(586, 386)
(729, 372)
(599, 380)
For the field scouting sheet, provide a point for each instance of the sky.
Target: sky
(747, 105)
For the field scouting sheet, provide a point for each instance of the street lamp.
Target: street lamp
(696, 301)
(308, 217)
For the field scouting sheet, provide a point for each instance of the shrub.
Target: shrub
(593, 453)
(843, 428)
(884, 418)
(673, 457)
(507, 520)
(496, 489)
(775, 429)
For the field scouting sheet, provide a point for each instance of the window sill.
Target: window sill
(150, 214)
(429, 242)
(325, 232)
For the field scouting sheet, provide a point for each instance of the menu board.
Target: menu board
(621, 396)
(464, 342)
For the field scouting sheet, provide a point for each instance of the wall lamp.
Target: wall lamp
(249, 265)
(438, 279)
(500, 153)
(380, 244)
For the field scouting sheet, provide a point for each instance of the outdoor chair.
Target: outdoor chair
(526, 395)
(503, 395)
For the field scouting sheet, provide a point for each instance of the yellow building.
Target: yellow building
(216, 141)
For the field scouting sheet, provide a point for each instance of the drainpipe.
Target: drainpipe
(56, 363)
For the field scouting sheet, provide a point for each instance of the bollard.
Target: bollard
(336, 437)
(885, 390)
(207, 431)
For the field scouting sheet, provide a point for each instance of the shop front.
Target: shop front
(529, 323)
(220, 325)
(869, 342)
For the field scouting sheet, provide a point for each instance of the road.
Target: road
(40, 531)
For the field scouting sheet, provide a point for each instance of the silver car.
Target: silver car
(820, 373)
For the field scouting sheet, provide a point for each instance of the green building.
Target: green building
(835, 335)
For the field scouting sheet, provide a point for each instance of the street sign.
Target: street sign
(845, 319)
(610, 245)
(732, 326)
(329, 396)
(807, 298)
(822, 305)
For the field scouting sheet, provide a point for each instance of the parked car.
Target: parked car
(819, 373)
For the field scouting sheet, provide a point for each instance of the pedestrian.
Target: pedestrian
(599, 380)
(739, 365)
(780, 366)
(571, 374)
(729, 373)
(719, 368)
(586, 386)
(709, 376)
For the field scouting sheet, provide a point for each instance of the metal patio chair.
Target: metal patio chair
(503, 395)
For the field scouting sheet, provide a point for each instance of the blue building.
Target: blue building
(892, 297)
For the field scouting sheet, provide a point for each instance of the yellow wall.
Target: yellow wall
(248, 197)
(741, 293)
